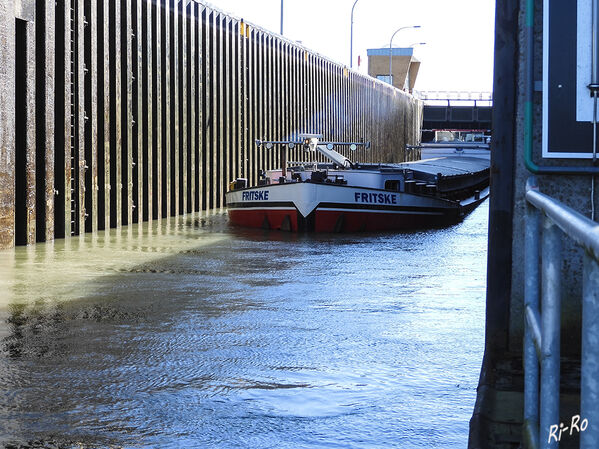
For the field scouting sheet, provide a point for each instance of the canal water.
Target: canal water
(192, 334)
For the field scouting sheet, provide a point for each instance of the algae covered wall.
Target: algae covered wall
(124, 111)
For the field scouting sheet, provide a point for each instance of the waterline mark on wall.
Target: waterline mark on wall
(556, 431)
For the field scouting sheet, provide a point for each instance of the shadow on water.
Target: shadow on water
(193, 334)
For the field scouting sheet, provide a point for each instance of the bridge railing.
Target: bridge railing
(547, 223)
(447, 97)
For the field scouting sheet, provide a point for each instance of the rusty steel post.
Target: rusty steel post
(104, 116)
(65, 169)
(46, 148)
(7, 124)
(30, 135)
(92, 21)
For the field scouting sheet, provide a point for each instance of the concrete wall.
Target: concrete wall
(127, 110)
(498, 413)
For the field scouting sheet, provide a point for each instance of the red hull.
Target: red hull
(336, 221)
(350, 221)
(285, 220)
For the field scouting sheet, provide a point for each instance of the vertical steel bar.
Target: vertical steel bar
(148, 110)
(141, 114)
(550, 363)
(321, 98)
(224, 111)
(201, 104)
(32, 170)
(82, 117)
(276, 98)
(158, 66)
(214, 110)
(301, 92)
(329, 104)
(287, 108)
(233, 110)
(249, 98)
(209, 172)
(221, 153)
(253, 105)
(269, 116)
(184, 117)
(105, 174)
(308, 94)
(49, 68)
(116, 164)
(531, 299)
(336, 112)
(239, 105)
(7, 124)
(192, 55)
(260, 103)
(313, 91)
(243, 101)
(589, 388)
(93, 73)
(175, 114)
(295, 98)
(167, 93)
(69, 20)
(127, 114)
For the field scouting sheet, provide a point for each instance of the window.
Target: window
(392, 184)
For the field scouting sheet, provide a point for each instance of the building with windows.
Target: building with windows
(404, 66)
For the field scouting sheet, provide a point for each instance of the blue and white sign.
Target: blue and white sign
(567, 55)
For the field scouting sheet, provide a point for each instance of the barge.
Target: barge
(344, 196)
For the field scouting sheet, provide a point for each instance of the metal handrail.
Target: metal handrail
(542, 330)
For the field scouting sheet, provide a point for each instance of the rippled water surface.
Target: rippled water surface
(192, 334)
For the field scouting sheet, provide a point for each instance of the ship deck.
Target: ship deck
(448, 165)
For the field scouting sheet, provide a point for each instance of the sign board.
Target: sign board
(567, 56)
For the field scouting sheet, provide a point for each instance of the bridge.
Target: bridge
(455, 110)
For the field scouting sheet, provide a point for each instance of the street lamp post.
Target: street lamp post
(391, 51)
(281, 17)
(351, 37)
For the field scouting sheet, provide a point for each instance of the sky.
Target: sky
(459, 34)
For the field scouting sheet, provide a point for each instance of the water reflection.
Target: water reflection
(187, 333)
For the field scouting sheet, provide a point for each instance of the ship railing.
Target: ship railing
(548, 222)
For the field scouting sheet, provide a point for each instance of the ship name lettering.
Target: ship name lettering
(376, 198)
(261, 195)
